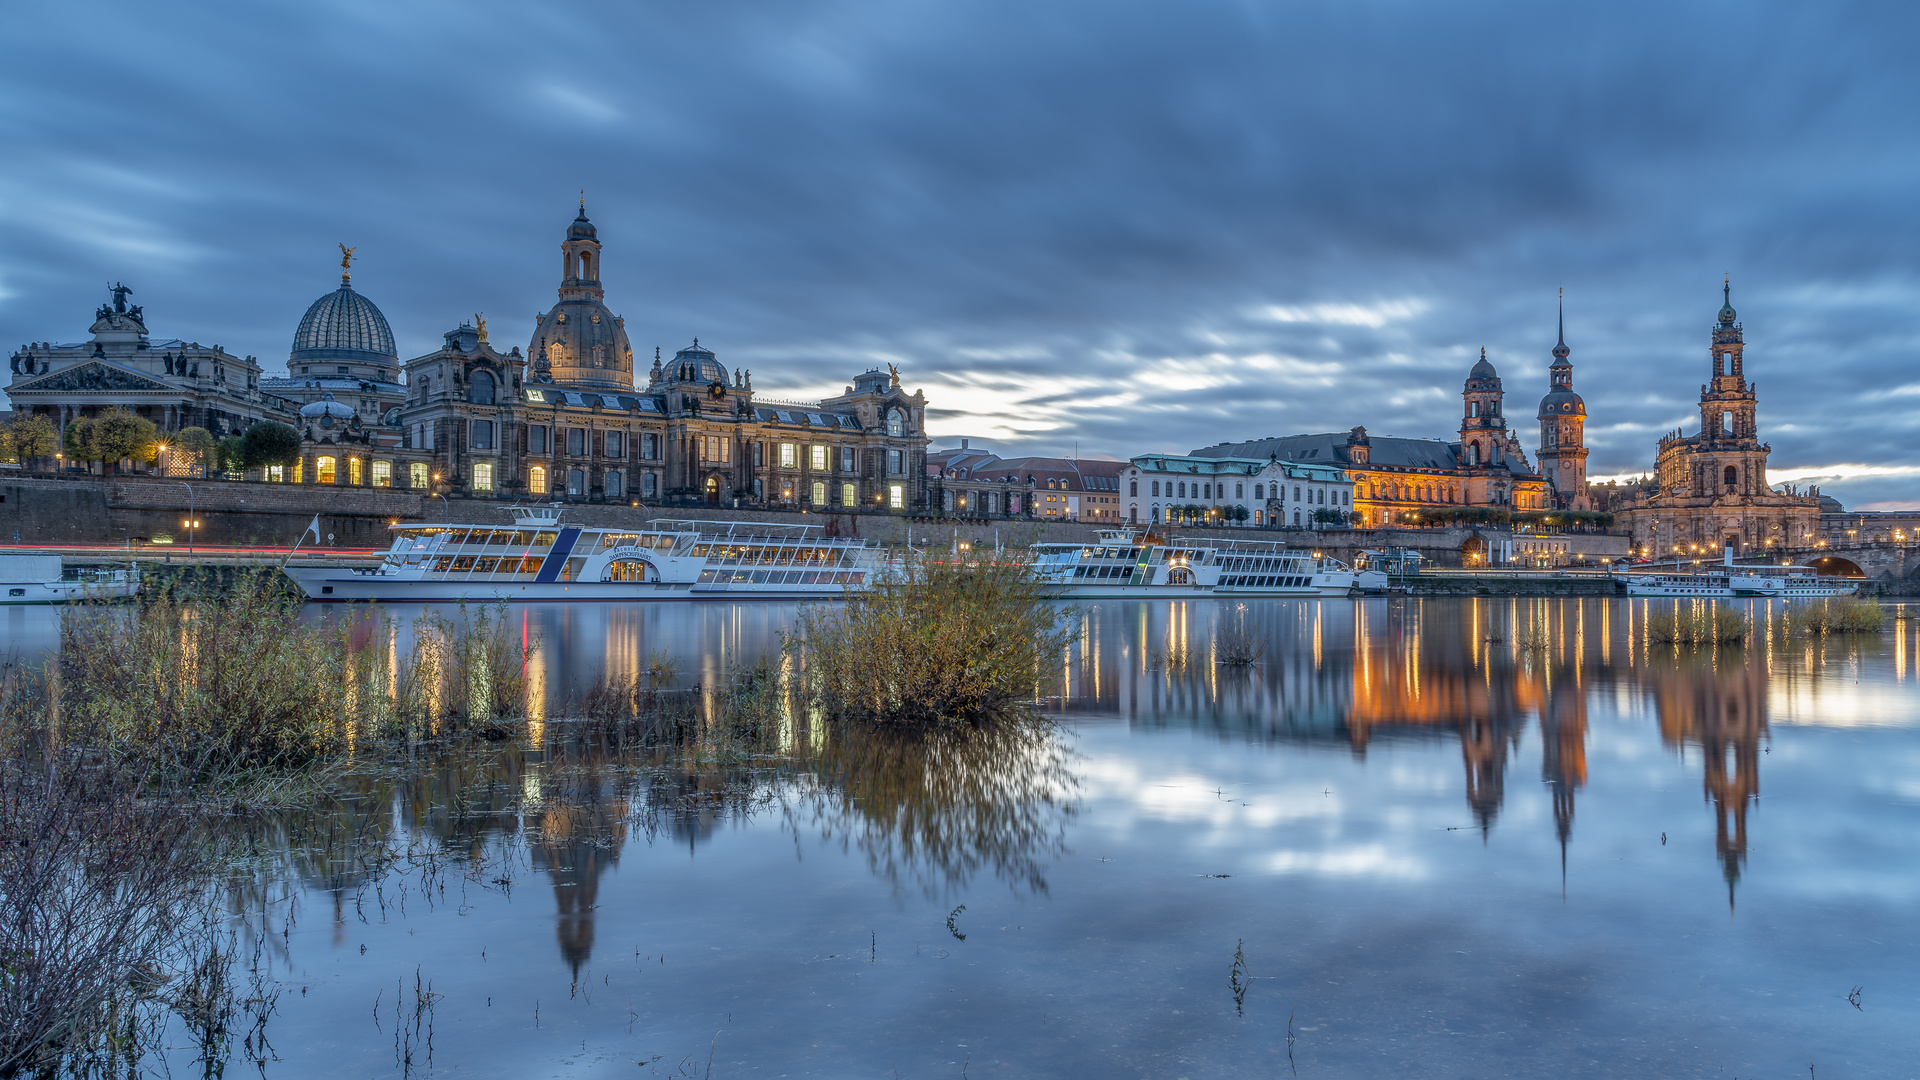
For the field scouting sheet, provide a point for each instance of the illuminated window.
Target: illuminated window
(849, 495)
(537, 480)
(818, 456)
(355, 475)
(323, 469)
(276, 473)
(483, 476)
(417, 474)
(383, 474)
(789, 455)
(819, 491)
(897, 496)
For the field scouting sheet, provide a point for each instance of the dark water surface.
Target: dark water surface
(1561, 853)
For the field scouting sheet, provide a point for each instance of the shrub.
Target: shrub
(1236, 644)
(932, 642)
(1713, 626)
(1840, 615)
(196, 442)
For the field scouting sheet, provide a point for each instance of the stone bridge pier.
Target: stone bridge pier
(1895, 566)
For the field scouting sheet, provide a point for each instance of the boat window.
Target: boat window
(545, 539)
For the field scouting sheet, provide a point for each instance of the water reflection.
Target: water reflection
(1482, 672)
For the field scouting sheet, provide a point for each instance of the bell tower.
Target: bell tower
(1727, 402)
(1563, 421)
(1483, 427)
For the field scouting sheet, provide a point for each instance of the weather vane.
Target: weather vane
(346, 261)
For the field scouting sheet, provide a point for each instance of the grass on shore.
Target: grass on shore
(1712, 626)
(1839, 615)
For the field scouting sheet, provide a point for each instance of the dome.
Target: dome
(1726, 305)
(343, 325)
(1483, 371)
(1562, 403)
(581, 343)
(695, 364)
(325, 407)
(581, 229)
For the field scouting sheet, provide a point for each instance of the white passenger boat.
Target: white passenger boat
(540, 558)
(44, 579)
(1729, 580)
(1125, 564)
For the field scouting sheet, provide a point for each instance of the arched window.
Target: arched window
(1296, 518)
(576, 482)
(1733, 476)
(1259, 491)
(896, 423)
(586, 266)
(537, 480)
(1156, 515)
(1183, 489)
(480, 388)
(1133, 488)
(614, 487)
(324, 467)
(1473, 408)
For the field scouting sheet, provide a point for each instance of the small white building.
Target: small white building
(1265, 493)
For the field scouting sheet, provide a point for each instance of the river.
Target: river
(1449, 838)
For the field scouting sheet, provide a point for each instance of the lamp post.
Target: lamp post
(192, 525)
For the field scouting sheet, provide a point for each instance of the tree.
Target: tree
(269, 442)
(120, 435)
(28, 438)
(230, 453)
(1238, 513)
(196, 441)
(79, 440)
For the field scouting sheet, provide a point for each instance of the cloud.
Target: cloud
(1130, 226)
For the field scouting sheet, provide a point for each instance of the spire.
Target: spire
(1560, 350)
(1726, 305)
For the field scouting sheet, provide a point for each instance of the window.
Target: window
(650, 447)
(343, 370)
(537, 480)
(649, 484)
(758, 452)
(1156, 489)
(615, 444)
(1346, 498)
(576, 482)
(417, 475)
(383, 474)
(576, 442)
(276, 473)
(896, 462)
(483, 476)
(613, 485)
(1296, 496)
(946, 500)
(1183, 489)
(1209, 493)
(849, 495)
(896, 423)
(846, 459)
(896, 495)
(819, 493)
(323, 469)
(1732, 475)
(789, 455)
(482, 435)
(479, 388)
(818, 456)
(1296, 519)
(1133, 487)
(1239, 490)
(1259, 491)
(537, 439)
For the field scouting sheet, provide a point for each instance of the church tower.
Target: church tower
(1483, 428)
(1727, 403)
(579, 342)
(1563, 421)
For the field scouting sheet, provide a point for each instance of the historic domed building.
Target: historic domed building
(343, 350)
(1563, 421)
(578, 342)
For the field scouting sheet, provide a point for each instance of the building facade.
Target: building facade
(1268, 493)
(967, 482)
(1710, 490)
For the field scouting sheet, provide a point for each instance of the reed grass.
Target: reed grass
(1713, 626)
(935, 642)
(1236, 644)
(1839, 615)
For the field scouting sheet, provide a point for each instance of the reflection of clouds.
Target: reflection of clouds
(1367, 860)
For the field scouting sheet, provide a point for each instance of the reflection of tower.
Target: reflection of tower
(1563, 755)
(1724, 713)
(576, 846)
(1483, 743)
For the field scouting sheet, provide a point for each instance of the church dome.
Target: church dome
(343, 325)
(698, 365)
(1483, 371)
(325, 407)
(1727, 314)
(580, 342)
(582, 229)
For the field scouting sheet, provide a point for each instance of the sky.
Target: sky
(1098, 227)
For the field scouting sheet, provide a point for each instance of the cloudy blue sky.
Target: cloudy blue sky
(1121, 227)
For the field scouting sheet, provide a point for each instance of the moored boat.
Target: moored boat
(542, 558)
(44, 579)
(1125, 564)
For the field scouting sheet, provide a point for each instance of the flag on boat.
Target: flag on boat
(313, 528)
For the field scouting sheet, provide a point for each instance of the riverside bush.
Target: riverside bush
(1713, 626)
(1840, 615)
(933, 642)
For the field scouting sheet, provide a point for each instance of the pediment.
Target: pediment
(94, 376)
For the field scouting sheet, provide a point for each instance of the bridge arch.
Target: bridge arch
(1837, 566)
